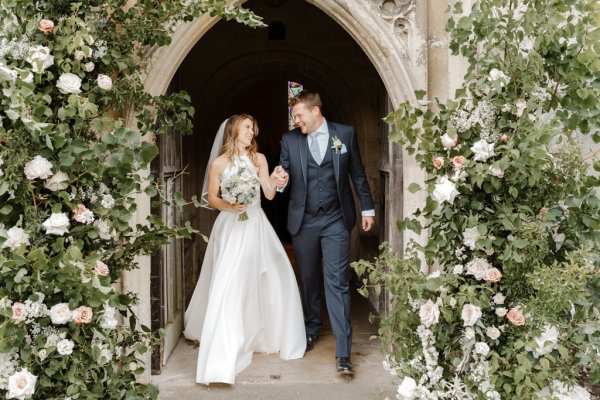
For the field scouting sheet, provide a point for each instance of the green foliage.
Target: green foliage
(70, 172)
(511, 213)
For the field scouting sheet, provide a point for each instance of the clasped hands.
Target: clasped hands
(279, 177)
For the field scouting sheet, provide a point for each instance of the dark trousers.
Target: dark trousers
(325, 235)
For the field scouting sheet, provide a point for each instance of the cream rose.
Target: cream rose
(101, 268)
(57, 224)
(104, 82)
(15, 238)
(88, 67)
(69, 83)
(79, 55)
(470, 237)
(46, 25)
(470, 314)
(438, 162)
(60, 313)
(515, 316)
(429, 313)
(497, 172)
(39, 167)
(19, 312)
(501, 311)
(482, 150)
(58, 181)
(493, 275)
(82, 315)
(499, 298)
(445, 190)
(65, 347)
(492, 332)
(482, 348)
(458, 162)
(82, 214)
(21, 385)
(478, 267)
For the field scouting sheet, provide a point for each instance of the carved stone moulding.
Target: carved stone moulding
(391, 9)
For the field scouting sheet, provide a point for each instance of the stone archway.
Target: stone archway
(386, 30)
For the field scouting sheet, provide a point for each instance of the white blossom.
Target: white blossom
(482, 348)
(57, 224)
(497, 75)
(39, 167)
(501, 311)
(21, 385)
(470, 314)
(448, 142)
(445, 190)
(58, 181)
(65, 347)
(104, 82)
(406, 390)
(107, 201)
(546, 342)
(482, 150)
(458, 269)
(470, 237)
(499, 298)
(15, 238)
(521, 105)
(88, 67)
(478, 268)
(429, 313)
(40, 58)
(60, 313)
(492, 332)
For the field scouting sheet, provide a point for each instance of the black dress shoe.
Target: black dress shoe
(343, 365)
(310, 341)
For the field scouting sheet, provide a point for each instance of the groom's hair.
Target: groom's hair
(310, 99)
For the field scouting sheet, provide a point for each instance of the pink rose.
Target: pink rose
(82, 315)
(505, 138)
(493, 275)
(458, 162)
(438, 162)
(19, 313)
(516, 317)
(101, 268)
(46, 25)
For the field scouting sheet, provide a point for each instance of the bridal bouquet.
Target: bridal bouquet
(240, 187)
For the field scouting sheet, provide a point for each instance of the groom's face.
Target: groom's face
(306, 118)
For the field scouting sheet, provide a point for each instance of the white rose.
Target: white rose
(482, 150)
(69, 83)
(448, 142)
(65, 347)
(15, 237)
(406, 390)
(21, 385)
(39, 167)
(88, 67)
(501, 311)
(482, 348)
(60, 313)
(109, 319)
(478, 268)
(58, 181)
(492, 332)
(57, 224)
(445, 190)
(52, 340)
(470, 314)
(42, 354)
(499, 298)
(103, 229)
(19, 312)
(39, 57)
(470, 237)
(458, 269)
(546, 342)
(79, 55)
(429, 313)
(497, 75)
(104, 82)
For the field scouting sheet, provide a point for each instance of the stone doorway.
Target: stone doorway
(314, 42)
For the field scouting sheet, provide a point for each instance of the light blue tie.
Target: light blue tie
(314, 147)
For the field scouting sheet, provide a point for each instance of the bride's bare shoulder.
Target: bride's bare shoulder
(219, 163)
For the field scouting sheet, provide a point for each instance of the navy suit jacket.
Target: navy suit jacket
(347, 165)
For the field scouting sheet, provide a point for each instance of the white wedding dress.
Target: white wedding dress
(246, 299)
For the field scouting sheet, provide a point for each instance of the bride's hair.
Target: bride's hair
(231, 131)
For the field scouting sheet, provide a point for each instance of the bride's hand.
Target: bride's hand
(237, 208)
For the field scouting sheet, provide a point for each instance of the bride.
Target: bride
(247, 298)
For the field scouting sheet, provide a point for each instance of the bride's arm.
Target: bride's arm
(266, 182)
(215, 171)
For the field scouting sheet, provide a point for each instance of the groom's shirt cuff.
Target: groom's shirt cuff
(281, 189)
(368, 213)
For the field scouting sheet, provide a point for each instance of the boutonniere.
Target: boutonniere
(337, 144)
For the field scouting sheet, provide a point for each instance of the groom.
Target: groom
(319, 158)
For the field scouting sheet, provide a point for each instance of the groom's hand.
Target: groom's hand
(367, 223)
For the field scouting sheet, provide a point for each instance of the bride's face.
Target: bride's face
(245, 133)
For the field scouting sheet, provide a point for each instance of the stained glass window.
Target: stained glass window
(293, 89)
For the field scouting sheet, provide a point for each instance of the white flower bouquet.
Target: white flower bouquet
(241, 186)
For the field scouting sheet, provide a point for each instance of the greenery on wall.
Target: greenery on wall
(509, 308)
(71, 75)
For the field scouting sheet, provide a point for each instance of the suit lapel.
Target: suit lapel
(334, 153)
(303, 149)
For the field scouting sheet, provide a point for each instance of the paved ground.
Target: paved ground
(268, 377)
